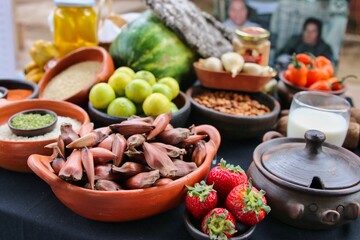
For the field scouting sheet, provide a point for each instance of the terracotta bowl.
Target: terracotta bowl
(231, 126)
(21, 150)
(193, 226)
(224, 80)
(16, 84)
(125, 205)
(83, 54)
(101, 118)
(286, 90)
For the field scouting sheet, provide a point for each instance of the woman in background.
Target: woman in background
(309, 41)
(238, 14)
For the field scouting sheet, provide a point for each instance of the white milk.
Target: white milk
(334, 126)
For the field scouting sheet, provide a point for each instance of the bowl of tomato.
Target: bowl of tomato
(309, 73)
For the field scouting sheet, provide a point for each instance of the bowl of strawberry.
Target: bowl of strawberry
(226, 206)
(309, 73)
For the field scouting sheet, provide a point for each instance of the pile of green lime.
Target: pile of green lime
(128, 93)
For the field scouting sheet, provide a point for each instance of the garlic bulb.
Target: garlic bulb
(211, 63)
(232, 62)
(268, 71)
(252, 68)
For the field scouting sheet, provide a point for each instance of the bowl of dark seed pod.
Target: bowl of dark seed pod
(139, 167)
(237, 115)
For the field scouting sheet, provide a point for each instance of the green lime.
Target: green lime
(162, 88)
(126, 70)
(172, 83)
(121, 107)
(101, 94)
(156, 104)
(137, 90)
(173, 107)
(146, 75)
(118, 81)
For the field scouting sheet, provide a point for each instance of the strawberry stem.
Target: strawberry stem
(254, 202)
(200, 190)
(223, 164)
(218, 226)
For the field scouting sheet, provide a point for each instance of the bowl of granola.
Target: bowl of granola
(235, 114)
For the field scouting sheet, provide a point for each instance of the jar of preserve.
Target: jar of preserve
(75, 25)
(253, 44)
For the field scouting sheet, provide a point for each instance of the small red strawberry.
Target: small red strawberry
(247, 204)
(225, 177)
(200, 199)
(219, 224)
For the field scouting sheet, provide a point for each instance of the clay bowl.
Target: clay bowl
(224, 80)
(36, 131)
(286, 90)
(125, 205)
(15, 84)
(101, 118)
(21, 150)
(193, 226)
(83, 54)
(231, 126)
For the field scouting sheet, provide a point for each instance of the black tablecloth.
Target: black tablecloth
(29, 210)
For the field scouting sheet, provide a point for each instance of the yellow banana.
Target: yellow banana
(41, 52)
(52, 50)
(30, 66)
(34, 71)
(37, 77)
(34, 75)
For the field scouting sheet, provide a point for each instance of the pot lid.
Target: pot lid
(314, 164)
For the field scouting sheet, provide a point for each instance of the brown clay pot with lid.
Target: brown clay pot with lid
(309, 184)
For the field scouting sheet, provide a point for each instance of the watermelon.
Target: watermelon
(147, 44)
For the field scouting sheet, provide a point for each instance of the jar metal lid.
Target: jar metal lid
(252, 34)
(75, 3)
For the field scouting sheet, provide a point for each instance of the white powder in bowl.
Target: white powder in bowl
(7, 135)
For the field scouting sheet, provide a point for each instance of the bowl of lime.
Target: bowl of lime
(129, 93)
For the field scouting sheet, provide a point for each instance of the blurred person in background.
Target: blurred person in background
(309, 41)
(238, 16)
(289, 16)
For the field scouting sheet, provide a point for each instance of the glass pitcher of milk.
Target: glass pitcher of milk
(325, 112)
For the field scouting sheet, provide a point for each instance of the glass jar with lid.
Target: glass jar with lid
(75, 25)
(253, 44)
